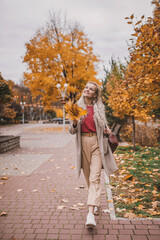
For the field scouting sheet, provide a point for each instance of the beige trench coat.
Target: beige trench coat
(108, 161)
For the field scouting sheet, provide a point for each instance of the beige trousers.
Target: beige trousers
(92, 165)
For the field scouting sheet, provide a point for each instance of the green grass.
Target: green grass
(140, 193)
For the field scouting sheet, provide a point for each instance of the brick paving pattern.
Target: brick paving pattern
(31, 197)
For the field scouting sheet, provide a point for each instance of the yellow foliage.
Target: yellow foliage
(136, 92)
(59, 113)
(73, 111)
(56, 56)
(128, 177)
(8, 112)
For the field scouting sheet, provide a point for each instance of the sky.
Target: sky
(103, 22)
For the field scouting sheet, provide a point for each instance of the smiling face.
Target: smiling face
(90, 91)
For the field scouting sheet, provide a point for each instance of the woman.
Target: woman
(90, 150)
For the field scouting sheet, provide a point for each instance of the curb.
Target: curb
(110, 198)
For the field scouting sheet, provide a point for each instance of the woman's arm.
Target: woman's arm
(107, 130)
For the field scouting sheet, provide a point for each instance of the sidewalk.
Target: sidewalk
(44, 199)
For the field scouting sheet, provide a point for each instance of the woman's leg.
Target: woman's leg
(91, 209)
(91, 164)
(86, 158)
(94, 193)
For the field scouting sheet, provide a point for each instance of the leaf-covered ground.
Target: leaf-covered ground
(136, 188)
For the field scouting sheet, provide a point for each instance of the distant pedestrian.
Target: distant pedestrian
(90, 149)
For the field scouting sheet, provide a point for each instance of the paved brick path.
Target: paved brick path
(31, 201)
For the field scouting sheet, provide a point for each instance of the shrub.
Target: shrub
(145, 135)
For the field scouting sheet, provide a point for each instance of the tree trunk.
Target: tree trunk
(134, 131)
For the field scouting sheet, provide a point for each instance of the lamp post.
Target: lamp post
(40, 108)
(63, 94)
(31, 113)
(23, 104)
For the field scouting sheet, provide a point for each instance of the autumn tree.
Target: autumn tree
(116, 68)
(144, 64)
(6, 93)
(6, 96)
(59, 53)
(135, 94)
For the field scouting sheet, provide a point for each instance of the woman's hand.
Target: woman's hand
(107, 131)
(75, 123)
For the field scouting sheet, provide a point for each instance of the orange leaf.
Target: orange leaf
(4, 178)
(128, 177)
(132, 16)
(74, 111)
(3, 214)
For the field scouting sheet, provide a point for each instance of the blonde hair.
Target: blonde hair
(98, 106)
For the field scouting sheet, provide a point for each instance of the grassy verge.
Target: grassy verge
(136, 189)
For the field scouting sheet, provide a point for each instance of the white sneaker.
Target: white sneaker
(90, 222)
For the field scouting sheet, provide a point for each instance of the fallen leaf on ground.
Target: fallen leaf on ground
(110, 201)
(138, 190)
(154, 204)
(109, 186)
(74, 208)
(128, 177)
(4, 178)
(19, 190)
(120, 210)
(3, 214)
(117, 198)
(132, 190)
(147, 185)
(145, 191)
(53, 190)
(140, 207)
(154, 213)
(61, 207)
(130, 215)
(80, 204)
(50, 160)
(154, 192)
(73, 167)
(65, 200)
(1, 183)
(156, 170)
(34, 190)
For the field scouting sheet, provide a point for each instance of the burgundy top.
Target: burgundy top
(88, 124)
